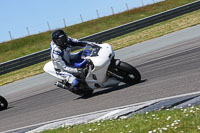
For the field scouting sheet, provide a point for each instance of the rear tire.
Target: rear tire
(88, 93)
(3, 103)
(129, 73)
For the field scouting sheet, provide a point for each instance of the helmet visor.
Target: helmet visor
(62, 41)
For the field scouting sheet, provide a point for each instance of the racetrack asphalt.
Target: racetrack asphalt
(169, 66)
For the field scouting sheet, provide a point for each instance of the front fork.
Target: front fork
(113, 68)
(113, 64)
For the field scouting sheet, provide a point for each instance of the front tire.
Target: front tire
(3, 103)
(127, 73)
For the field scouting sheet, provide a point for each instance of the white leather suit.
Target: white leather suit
(62, 58)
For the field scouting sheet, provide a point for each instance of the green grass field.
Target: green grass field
(182, 120)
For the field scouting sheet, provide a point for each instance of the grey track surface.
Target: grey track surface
(169, 66)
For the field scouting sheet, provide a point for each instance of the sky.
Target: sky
(18, 18)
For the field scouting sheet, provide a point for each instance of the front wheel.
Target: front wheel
(126, 73)
(3, 103)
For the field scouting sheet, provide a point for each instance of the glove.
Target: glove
(99, 42)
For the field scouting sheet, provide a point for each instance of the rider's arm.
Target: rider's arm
(57, 57)
(76, 42)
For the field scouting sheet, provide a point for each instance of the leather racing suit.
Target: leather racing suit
(62, 58)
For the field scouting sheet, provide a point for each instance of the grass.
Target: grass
(30, 44)
(22, 73)
(182, 120)
(160, 29)
(157, 30)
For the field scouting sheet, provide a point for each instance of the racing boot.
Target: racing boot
(74, 85)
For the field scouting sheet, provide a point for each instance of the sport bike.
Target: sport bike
(103, 70)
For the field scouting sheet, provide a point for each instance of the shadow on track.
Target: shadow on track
(111, 89)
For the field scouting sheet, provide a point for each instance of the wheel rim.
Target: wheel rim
(2, 105)
(128, 77)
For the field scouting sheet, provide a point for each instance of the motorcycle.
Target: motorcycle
(3, 103)
(103, 70)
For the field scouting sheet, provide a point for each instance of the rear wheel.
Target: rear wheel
(126, 73)
(88, 93)
(3, 103)
(83, 90)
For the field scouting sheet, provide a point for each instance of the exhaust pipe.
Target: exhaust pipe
(61, 85)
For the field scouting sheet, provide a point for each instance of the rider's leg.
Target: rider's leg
(71, 79)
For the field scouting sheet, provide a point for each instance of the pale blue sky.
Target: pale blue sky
(16, 15)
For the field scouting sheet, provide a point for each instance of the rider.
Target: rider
(62, 58)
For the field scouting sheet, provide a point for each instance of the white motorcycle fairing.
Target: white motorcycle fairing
(49, 68)
(97, 77)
